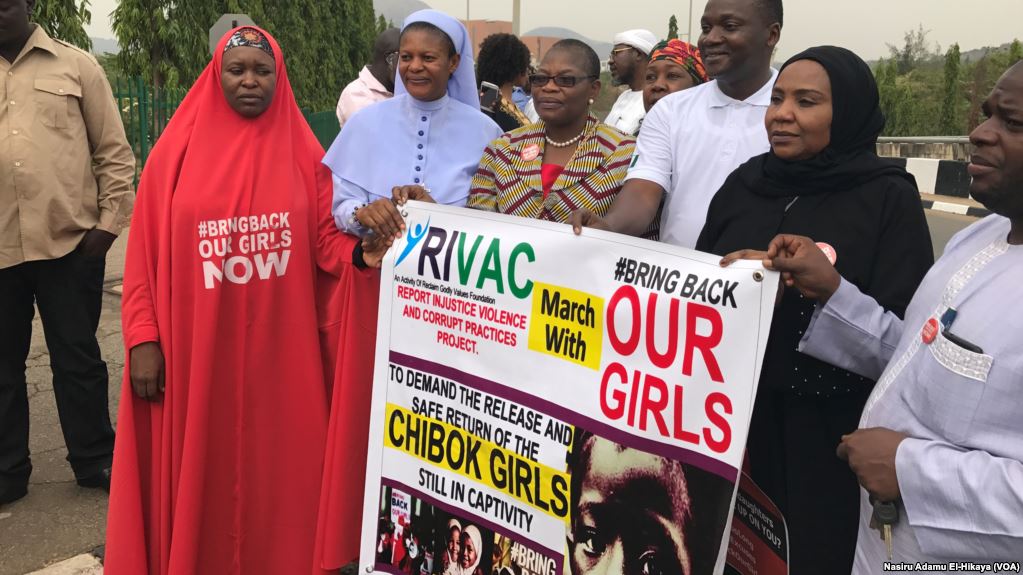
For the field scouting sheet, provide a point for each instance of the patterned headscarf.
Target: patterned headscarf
(249, 37)
(684, 54)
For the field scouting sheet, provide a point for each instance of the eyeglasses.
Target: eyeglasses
(617, 50)
(391, 58)
(540, 80)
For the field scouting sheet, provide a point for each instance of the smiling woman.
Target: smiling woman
(432, 133)
(426, 60)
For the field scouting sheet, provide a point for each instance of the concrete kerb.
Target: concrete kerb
(84, 564)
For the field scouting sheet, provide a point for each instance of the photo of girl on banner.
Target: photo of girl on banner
(635, 512)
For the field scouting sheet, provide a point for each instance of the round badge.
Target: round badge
(829, 251)
(530, 152)
(930, 331)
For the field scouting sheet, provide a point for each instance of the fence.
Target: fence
(145, 112)
(937, 148)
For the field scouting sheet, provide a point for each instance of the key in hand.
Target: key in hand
(886, 514)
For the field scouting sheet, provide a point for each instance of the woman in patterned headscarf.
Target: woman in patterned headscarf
(674, 66)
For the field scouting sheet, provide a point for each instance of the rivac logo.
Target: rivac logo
(413, 240)
(469, 259)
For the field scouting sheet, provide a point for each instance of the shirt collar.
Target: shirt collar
(367, 77)
(39, 39)
(429, 106)
(761, 97)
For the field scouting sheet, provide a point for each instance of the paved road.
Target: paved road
(58, 519)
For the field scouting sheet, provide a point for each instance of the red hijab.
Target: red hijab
(201, 145)
(216, 163)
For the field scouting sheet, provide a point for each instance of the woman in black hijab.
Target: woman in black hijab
(821, 179)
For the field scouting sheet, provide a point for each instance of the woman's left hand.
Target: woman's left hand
(755, 255)
(383, 218)
(742, 255)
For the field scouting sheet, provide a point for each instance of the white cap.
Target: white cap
(642, 40)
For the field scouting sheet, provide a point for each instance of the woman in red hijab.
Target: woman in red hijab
(221, 433)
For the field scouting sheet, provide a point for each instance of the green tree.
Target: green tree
(672, 27)
(950, 122)
(164, 41)
(382, 24)
(978, 90)
(914, 50)
(886, 75)
(326, 42)
(65, 19)
(1015, 52)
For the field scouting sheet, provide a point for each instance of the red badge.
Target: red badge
(829, 251)
(930, 331)
(530, 152)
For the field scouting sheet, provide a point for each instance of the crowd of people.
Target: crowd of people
(250, 284)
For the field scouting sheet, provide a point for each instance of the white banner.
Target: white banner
(554, 403)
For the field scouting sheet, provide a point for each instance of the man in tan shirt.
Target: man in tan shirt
(66, 174)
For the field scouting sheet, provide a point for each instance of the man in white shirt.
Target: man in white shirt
(693, 139)
(628, 67)
(375, 81)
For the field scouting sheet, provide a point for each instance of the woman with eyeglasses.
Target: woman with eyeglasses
(567, 160)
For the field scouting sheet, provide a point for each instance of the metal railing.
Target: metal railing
(145, 112)
(924, 140)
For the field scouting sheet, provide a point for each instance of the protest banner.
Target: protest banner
(543, 398)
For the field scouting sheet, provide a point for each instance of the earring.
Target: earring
(591, 101)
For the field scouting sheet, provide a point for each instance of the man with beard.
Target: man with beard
(628, 68)
(691, 140)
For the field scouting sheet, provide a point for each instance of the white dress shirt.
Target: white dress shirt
(961, 472)
(690, 142)
(627, 112)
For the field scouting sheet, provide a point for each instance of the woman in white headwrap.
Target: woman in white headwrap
(431, 133)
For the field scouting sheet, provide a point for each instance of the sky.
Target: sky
(864, 26)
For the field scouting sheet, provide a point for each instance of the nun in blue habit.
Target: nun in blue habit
(431, 134)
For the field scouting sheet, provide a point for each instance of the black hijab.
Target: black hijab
(850, 159)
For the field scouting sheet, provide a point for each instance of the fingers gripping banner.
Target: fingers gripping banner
(546, 403)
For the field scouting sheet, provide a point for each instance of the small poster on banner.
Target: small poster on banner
(759, 538)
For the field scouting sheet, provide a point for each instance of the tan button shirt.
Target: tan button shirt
(65, 164)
